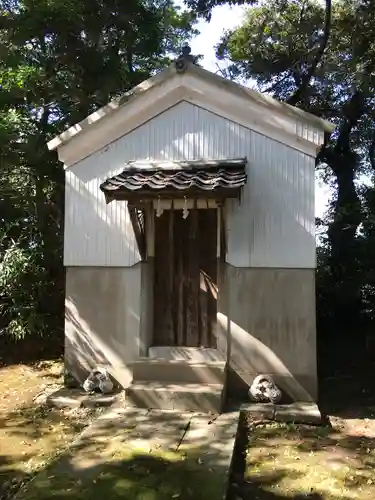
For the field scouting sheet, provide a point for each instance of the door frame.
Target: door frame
(148, 270)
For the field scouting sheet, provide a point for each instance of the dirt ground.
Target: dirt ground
(30, 433)
(291, 461)
(331, 462)
(20, 383)
(280, 461)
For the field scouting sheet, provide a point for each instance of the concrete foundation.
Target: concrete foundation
(102, 320)
(266, 324)
(268, 316)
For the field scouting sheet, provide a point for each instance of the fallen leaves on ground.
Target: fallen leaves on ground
(333, 463)
(31, 434)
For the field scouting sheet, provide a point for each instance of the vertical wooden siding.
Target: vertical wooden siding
(272, 227)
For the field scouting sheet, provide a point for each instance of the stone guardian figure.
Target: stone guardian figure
(264, 390)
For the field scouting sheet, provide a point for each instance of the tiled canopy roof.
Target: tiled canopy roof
(155, 177)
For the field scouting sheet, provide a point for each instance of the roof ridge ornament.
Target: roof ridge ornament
(184, 58)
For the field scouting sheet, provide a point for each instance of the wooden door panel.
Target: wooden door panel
(185, 287)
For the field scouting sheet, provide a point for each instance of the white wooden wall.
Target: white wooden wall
(272, 227)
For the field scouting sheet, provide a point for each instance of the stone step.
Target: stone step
(297, 412)
(205, 398)
(181, 371)
(198, 354)
(78, 398)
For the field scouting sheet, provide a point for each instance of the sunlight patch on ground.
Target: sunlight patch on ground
(32, 434)
(131, 474)
(289, 460)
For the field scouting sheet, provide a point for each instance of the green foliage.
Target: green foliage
(18, 269)
(203, 8)
(59, 61)
(273, 44)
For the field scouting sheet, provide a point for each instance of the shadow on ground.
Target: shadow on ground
(272, 461)
(149, 456)
(31, 436)
(140, 476)
(276, 461)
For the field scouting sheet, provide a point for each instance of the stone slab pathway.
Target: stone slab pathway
(130, 453)
(298, 413)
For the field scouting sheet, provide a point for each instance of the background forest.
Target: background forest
(60, 60)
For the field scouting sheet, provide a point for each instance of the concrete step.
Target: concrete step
(78, 398)
(181, 371)
(205, 398)
(297, 412)
(198, 354)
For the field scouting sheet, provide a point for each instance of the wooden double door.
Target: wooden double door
(185, 278)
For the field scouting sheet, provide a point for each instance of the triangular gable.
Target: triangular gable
(231, 100)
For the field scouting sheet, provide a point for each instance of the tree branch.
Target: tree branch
(352, 112)
(294, 70)
(371, 152)
(305, 80)
(221, 71)
(302, 13)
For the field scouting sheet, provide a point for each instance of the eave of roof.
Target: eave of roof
(215, 79)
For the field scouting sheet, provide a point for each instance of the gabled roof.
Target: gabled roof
(198, 86)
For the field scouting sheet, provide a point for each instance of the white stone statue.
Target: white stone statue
(264, 390)
(98, 378)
